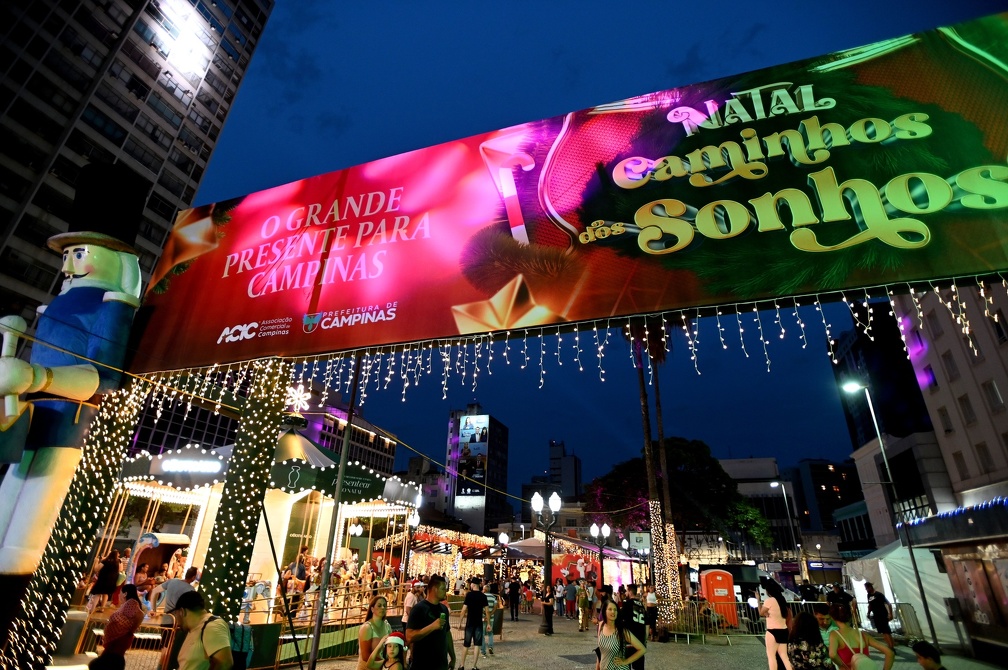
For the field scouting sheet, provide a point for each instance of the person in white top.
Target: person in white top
(374, 628)
(208, 640)
(412, 598)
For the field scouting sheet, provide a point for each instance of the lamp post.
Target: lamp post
(853, 387)
(822, 566)
(523, 531)
(547, 524)
(601, 538)
(787, 511)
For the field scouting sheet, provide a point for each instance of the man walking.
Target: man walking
(473, 622)
(514, 597)
(492, 601)
(428, 632)
(632, 616)
(880, 612)
(412, 598)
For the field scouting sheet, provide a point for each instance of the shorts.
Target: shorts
(473, 635)
(882, 624)
(651, 616)
(780, 635)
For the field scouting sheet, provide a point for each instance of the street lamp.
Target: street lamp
(853, 387)
(822, 566)
(787, 511)
(601, 537)
(547, 524)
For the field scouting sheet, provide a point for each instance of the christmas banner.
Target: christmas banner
(875, 166)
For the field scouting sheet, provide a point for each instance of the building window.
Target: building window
(945, 419)
(969, 416)
(960, 463)
(929, 378)
(992, 395)
(934, 324)
(984, 459)
(998, 323)
(951, 369)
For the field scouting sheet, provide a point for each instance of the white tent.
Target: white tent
(889, 569)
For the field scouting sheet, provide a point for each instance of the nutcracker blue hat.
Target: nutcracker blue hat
(107, 210)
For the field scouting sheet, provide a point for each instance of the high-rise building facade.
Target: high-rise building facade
(565, 471)
(145, 83)
(477, 464)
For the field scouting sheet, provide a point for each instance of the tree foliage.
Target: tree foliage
(704, 497)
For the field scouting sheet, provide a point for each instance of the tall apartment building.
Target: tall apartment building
(958, 345)
(565, 470)
(146, 83)
(477, 465)
(822, 487)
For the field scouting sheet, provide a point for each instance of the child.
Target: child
(390, 654)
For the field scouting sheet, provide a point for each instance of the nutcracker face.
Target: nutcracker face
(91, 265)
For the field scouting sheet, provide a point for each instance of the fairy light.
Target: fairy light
(801, 324)
(866, 328)
(738, 320)
(988, 300)
(915, 299)
(577, 348)
(763, 340)
(507, 347)
(899, 320)
(691, 342)
(542, 356)
(963, 321)
(559, 345)
(826, 327)
(445, 351)
(599, 351)
(720, 328)
(490, 343)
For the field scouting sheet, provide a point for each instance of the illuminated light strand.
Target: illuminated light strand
(477, 351)
(738, 320)
(490, 343)
(390, 362)
(763, 340)
(664, 331)
(801, 324)
(577, 348)
(599, 352)
(777, 320)
(525, 349)
(988, 300)
(507, 347)
(826, 327)
(559, 357)
(630, 337)
(223, 389)
(542, 357)
(717, 319)
(915, 299)
(899, 320)
(857, 318)
(690, 342)
(871, 311)
(646, 342)
(445, 351)
(696, 331)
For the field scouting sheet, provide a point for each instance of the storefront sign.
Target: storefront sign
(875, 166)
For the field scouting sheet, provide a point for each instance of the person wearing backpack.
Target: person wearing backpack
(848, 646)
(207, 645)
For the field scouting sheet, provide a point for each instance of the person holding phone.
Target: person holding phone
(428, 633)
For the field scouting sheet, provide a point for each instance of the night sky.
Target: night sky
(333, 85)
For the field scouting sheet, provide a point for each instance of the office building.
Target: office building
(145, 83)
(564, 471)
(477, 465)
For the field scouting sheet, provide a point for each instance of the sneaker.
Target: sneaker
(491, 651)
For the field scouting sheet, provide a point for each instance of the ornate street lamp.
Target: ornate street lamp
(503, 540)
(822, 566)
(601, 538)
(546, 522)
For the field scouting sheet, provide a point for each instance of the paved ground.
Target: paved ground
(522, 648)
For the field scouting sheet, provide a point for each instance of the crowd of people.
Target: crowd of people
(827, 638)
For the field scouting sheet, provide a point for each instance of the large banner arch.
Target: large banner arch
(868, 167)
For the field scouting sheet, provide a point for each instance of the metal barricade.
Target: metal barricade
(149, 650)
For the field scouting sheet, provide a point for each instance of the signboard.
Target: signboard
(874, 166)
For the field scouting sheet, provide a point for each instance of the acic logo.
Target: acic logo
(238, 333)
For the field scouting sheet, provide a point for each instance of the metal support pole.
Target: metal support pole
(909, 543)
(330, 545)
